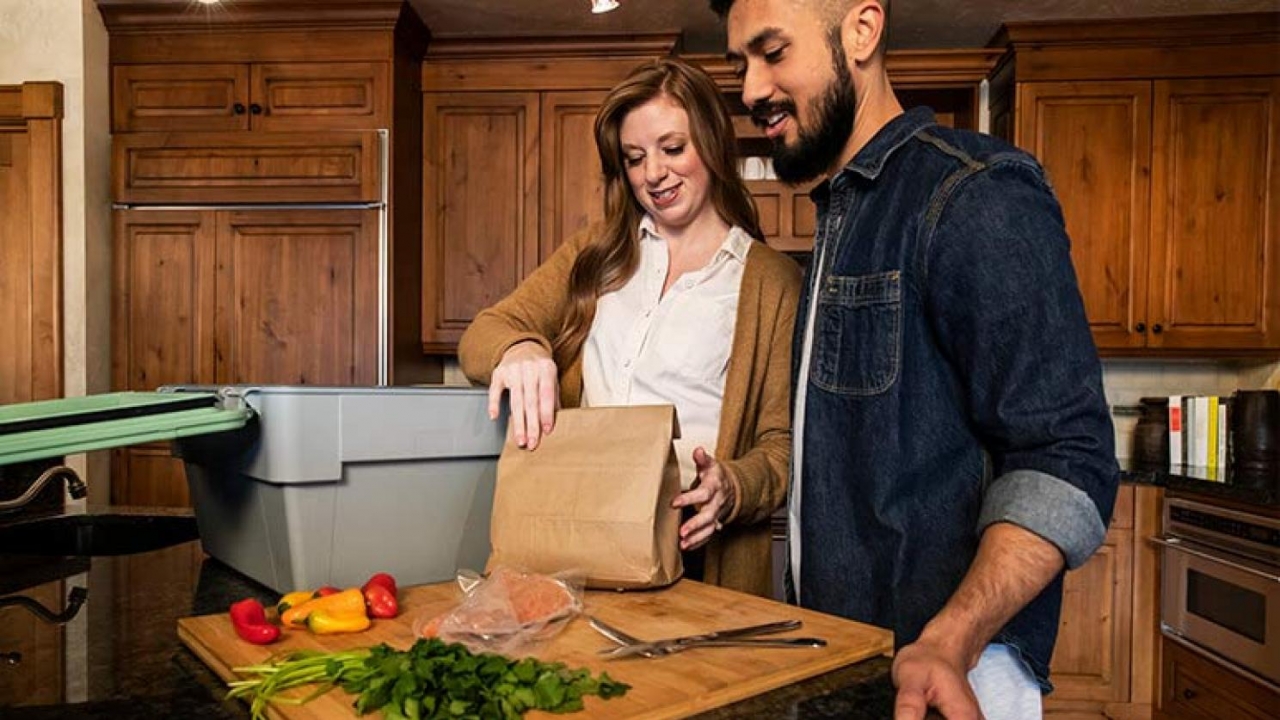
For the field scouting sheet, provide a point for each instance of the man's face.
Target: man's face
(796, 82)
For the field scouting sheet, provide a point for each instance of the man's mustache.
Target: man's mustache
(763, 110)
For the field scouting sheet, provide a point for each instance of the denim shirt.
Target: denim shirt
(953, 382)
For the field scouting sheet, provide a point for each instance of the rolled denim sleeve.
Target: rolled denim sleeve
(1007, 311)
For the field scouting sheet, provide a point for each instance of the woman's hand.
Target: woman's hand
(712, 494)
(529, 375)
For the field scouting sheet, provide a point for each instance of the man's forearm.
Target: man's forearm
(1012, 566)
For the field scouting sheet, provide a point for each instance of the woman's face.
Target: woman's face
(666, 174)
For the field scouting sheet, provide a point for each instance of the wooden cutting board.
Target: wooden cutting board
(666, 687)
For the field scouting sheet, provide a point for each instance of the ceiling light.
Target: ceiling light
(208, 2)
(603, 6)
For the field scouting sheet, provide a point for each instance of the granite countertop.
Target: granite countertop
(1254, 488)
(119, 656)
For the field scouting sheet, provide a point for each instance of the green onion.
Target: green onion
(430, 680)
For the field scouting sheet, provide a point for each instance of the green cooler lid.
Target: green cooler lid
(51, 428)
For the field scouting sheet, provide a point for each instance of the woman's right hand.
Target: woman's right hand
(529, 376)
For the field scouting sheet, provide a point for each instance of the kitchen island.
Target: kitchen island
(116, 653)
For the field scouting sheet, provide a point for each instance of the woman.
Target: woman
(672, 299)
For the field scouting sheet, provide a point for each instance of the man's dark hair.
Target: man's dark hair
(722, 7)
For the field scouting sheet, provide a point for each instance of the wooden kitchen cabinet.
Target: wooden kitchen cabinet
(1195, 688)
(948, 81)
(1165, 169)
(257, 96)
(1105, 661)
(36, 646)
(223, 297)
(510, 163)
(236, 132)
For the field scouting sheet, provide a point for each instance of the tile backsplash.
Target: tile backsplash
(1128, 381)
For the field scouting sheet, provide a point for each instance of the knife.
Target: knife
(660, 646)
(658, 650)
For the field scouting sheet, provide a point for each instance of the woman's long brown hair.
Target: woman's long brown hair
(611, 259)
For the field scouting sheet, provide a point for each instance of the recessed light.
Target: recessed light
(208, 2)
(603, 6)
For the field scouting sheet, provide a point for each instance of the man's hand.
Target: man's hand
(1012, 566)
(529, 374)
(926, 676)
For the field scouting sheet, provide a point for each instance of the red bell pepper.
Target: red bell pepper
(380, 601)
(383, 579)
(250, 621)
(326, 591)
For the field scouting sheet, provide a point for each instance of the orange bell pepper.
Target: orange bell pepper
(349, 602)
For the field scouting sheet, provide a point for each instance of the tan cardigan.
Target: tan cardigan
(754, 439)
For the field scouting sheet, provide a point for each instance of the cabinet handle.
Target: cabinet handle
(1157, 328)
(238, 108)
(1189, 694)
(256, 109)
(1140, 327)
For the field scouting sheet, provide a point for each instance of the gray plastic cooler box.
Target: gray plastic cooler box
(327, 486)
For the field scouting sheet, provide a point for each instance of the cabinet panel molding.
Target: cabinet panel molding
(1215, 233)
(314, 96)
(189, 168)
(480, 221)
(296, 291)
(572, 186)
(210, 96)
(1094, 140)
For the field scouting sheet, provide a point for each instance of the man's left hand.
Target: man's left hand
(928, 676)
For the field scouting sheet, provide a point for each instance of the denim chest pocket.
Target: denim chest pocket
(857, 340)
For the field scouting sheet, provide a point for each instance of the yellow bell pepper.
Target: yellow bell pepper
(293, 599)
(322, 622)
(349, 602)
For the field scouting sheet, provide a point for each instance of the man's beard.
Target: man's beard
(815, 150)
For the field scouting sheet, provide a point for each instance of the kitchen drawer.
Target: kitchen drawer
(199, 168)
(1196, 688)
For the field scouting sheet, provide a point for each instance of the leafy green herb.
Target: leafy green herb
(430, 680)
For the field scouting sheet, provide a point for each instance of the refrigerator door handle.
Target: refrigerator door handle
(384, 256)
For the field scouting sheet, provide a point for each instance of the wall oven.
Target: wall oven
(1221, 586)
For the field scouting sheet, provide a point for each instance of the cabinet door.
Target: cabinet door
(37, 648)
(320, 96)
(1091, 660)
(1094, 140)
(480, 206)
(572, 183)
(161, 332)
(1196, 688)
(1215, 279)
(180, 97)
(297, 297)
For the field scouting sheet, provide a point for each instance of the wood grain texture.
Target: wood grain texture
(203, 96)
(1215, 250)
(670, 687)
(1195, 688)
(297, 297)
(480, 206)
(1094, 140)
(186, 168)
(31, 242)
(572, 186)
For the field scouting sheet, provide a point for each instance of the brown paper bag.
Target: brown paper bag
(594, 497)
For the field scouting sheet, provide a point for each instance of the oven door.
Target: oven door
(1227, 605)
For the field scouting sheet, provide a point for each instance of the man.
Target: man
(953, 449)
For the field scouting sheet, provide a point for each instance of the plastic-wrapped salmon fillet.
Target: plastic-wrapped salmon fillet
(506, 611)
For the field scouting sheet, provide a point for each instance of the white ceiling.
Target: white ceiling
(914, 23)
